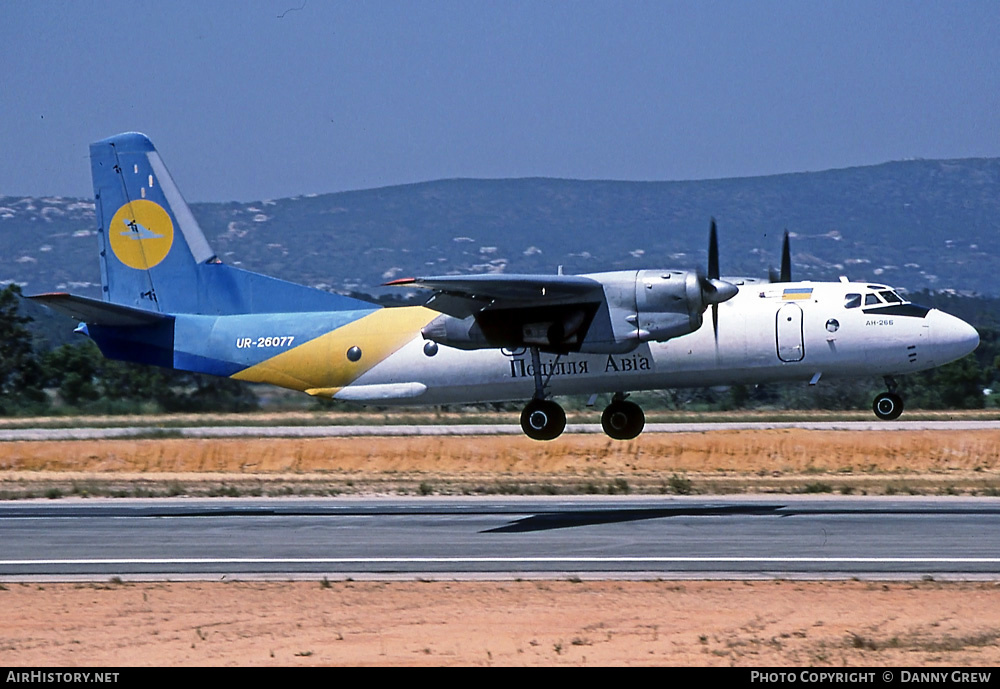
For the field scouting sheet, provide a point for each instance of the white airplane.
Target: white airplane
(169, 301)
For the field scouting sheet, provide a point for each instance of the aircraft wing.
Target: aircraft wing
(464, 295)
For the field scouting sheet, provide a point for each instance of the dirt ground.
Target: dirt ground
(562, 622)
(525, 623)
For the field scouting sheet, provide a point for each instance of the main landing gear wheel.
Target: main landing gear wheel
(543, 420)
(623, 420)
(888, 406)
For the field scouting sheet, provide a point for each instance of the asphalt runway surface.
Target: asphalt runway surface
(502, 538)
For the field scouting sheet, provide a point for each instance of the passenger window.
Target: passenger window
(891, 297)
(852, 301)
(871, 299)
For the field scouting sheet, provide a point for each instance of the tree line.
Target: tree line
(36, 378)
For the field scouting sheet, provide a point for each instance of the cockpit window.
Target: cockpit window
(871, 299)
(852, 301)
(891, 297)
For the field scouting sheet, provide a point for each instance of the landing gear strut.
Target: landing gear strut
(888, 405)
(622, 420)
(541, 419)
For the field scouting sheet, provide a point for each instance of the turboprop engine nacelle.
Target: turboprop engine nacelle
(460, 333)
(671, 303)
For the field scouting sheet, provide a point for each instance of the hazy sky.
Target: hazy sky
(264, 99)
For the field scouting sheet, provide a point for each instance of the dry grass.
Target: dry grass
(785, 460)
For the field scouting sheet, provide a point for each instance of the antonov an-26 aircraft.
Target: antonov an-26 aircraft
(169, 301)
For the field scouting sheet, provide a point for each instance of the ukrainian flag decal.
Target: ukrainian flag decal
(796, 293)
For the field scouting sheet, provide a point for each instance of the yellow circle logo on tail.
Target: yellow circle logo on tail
(141, 234)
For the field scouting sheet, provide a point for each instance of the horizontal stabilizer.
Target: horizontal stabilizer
(96, 312)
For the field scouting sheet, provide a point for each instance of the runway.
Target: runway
(592, 537)
(389, 430)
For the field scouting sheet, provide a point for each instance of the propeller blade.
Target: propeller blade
(773, 275)
(713, 253)
(713, 293)
(713, 290)
(786, 260)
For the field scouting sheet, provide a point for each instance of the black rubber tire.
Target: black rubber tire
(543, 420)
(888, 406)
(623, 420)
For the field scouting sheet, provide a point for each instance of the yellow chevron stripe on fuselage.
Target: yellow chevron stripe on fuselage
(321, 366)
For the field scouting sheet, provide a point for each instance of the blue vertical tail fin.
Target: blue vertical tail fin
(154, 256)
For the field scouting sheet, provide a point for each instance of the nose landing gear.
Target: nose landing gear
(888, 405)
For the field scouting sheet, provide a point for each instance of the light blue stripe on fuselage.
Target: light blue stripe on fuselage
(225, 345)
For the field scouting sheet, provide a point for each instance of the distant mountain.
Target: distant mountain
(919, 224)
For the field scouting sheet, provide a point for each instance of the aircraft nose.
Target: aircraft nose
(953, 338)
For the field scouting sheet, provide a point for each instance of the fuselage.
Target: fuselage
(803, 331)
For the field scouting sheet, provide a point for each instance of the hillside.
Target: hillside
(920, 224)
